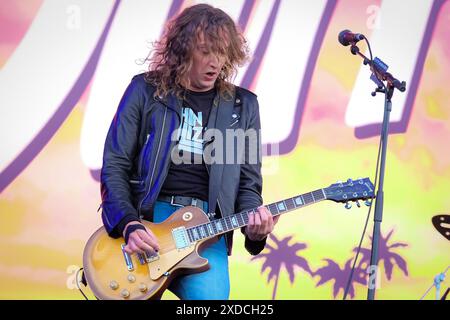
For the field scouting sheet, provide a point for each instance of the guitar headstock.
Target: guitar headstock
(352, 190)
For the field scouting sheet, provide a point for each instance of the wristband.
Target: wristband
(131, 229)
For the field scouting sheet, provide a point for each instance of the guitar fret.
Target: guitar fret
(224, 225)
(281, 206)
(308, 198)
(318, 195)
(195, 232)
(190, 235)
(311, 197)
(253, 211)
(315, 196)
(210, 229)
(219, 226)
(290, 204)
(202, 232)
(206, 230)
(205, 226)
(298, 201)
(276, 207)
(245, 217)
(272, 207)
(227, 224)
(240, 219)
(213, 226)
(234, 221)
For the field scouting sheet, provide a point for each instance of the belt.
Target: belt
(183, 201)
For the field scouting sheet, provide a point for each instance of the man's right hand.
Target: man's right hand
(140, 241)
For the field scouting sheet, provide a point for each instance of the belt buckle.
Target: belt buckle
(173, 203)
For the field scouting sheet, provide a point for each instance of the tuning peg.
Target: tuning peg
(348, 205)
(368, 203)
(358, 204)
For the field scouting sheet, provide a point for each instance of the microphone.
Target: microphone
(346, 37)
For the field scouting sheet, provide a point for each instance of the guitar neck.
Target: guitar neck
(239, 220)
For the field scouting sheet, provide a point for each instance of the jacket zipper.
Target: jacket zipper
(141, 160)
(156, 162)
(218, 202)
(220, 208)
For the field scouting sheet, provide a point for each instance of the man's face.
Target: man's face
(206, 67)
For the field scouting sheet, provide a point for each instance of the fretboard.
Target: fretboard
(239, 220)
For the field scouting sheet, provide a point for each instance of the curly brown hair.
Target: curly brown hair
(171, 57)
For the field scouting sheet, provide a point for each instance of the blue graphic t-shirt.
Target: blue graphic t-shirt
(187, 174)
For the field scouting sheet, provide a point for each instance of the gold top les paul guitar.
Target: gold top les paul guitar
(111, 273)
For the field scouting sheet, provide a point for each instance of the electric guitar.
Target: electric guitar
(111, 273)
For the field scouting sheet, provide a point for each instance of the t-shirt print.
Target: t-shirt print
(190, 133)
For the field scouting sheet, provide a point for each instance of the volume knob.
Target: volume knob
(114, 285)
(131, 278)
(125, 293)
(142, 287)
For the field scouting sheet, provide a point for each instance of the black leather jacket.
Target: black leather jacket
(137, 156)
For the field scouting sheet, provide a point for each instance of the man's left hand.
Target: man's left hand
(260, 224)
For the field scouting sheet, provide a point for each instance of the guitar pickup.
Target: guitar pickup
(128, 260)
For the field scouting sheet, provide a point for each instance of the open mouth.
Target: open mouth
(210, 74)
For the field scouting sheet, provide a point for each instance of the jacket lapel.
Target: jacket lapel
(219, 119)
(174, 103)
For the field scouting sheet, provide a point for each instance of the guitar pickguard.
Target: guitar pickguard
(167, 261)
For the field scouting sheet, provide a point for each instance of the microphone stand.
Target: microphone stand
(388, 90)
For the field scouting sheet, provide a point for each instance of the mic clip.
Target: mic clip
(378, 89)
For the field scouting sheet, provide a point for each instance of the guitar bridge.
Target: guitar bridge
(151, 258)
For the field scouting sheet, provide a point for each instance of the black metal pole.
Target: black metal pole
(378, 216)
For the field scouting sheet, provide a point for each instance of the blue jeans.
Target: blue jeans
(213, 284)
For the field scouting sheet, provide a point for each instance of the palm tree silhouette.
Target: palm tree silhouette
(282, 254)
(332, 271)
(386, 255)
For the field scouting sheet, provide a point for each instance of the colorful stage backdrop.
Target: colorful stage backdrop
(65, 64)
